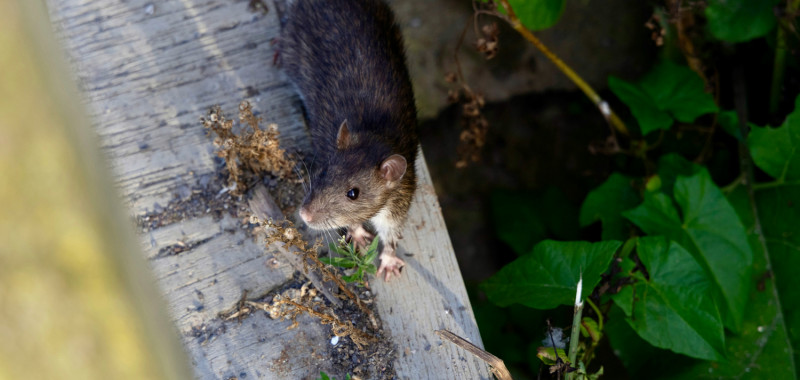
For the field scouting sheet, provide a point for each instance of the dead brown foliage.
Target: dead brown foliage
(474, 124)
(251, 153)
(290, 236)
(294, 302)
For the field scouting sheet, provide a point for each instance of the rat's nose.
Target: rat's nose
(305, 214)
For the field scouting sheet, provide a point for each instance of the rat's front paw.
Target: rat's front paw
(360, 236)
(390, 264)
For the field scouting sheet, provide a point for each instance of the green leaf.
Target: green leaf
(710, 230)
(670, 166)
(775, 150)
(323, 376)
(339, 250)
(729, 121)
(341, 262)
(679, 90)
(358, 276)
(671, 309)
(740, 20)
(373, 247)
(779, 213)
(517, 221)
(590, 329)
(655, 215)
(641, 359)
(372, 251)
(667, 92)
(607, 202)
(624, 299)
(523, 219)
(506, 336)
(643, 107)
(763, 341)
(538, 14)
(548, 276)
(548, 355)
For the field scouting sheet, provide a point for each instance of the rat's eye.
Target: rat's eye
(352, 193)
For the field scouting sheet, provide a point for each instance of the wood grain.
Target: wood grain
(149, 71)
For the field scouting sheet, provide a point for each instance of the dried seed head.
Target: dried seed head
(452, 96)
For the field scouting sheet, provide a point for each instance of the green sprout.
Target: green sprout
(324, 376)
(350, 258)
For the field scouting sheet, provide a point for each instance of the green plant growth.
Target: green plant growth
(687, 279)
(324, 376)
(350, 258)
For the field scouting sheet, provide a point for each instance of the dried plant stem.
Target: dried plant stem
(339, 327)
(601, 104)
(497, 366)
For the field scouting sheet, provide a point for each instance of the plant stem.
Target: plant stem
(779, 65)
(628, 247)
(576, 329)
(601, 104)
(599, 314)
(734, 184)
(770, 185)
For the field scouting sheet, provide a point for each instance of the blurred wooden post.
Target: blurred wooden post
(76, 297)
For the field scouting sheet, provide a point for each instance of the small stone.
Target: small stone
(334, 340)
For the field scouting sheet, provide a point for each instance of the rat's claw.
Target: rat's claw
(360, 236)
(390, 264)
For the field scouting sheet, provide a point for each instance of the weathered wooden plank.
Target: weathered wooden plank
(148, 77)
(149, 70)
(429, 296)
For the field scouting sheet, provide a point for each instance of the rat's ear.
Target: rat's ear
(343, 137)
(393, 168)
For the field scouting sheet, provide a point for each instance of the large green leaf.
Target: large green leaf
(643, 107)
(538, 14)
(776, 150)
(729, 121)
(523, 219)
(779, 213)
(606, 204)
(710, 230)
(667, 92)
(672, 308)
(641, 359)
(548, 276)
(679, 90)
(672, 165)
(507, 332)
(762, 350)
(740, 20)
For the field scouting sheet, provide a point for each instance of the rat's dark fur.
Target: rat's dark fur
(346, 59)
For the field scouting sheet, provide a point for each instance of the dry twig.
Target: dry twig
(495, 364)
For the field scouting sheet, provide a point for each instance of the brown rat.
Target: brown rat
(346, 59)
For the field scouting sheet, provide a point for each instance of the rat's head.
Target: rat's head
(353, 183)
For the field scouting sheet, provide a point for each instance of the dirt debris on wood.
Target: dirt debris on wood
(355, 347)
(251, 157)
